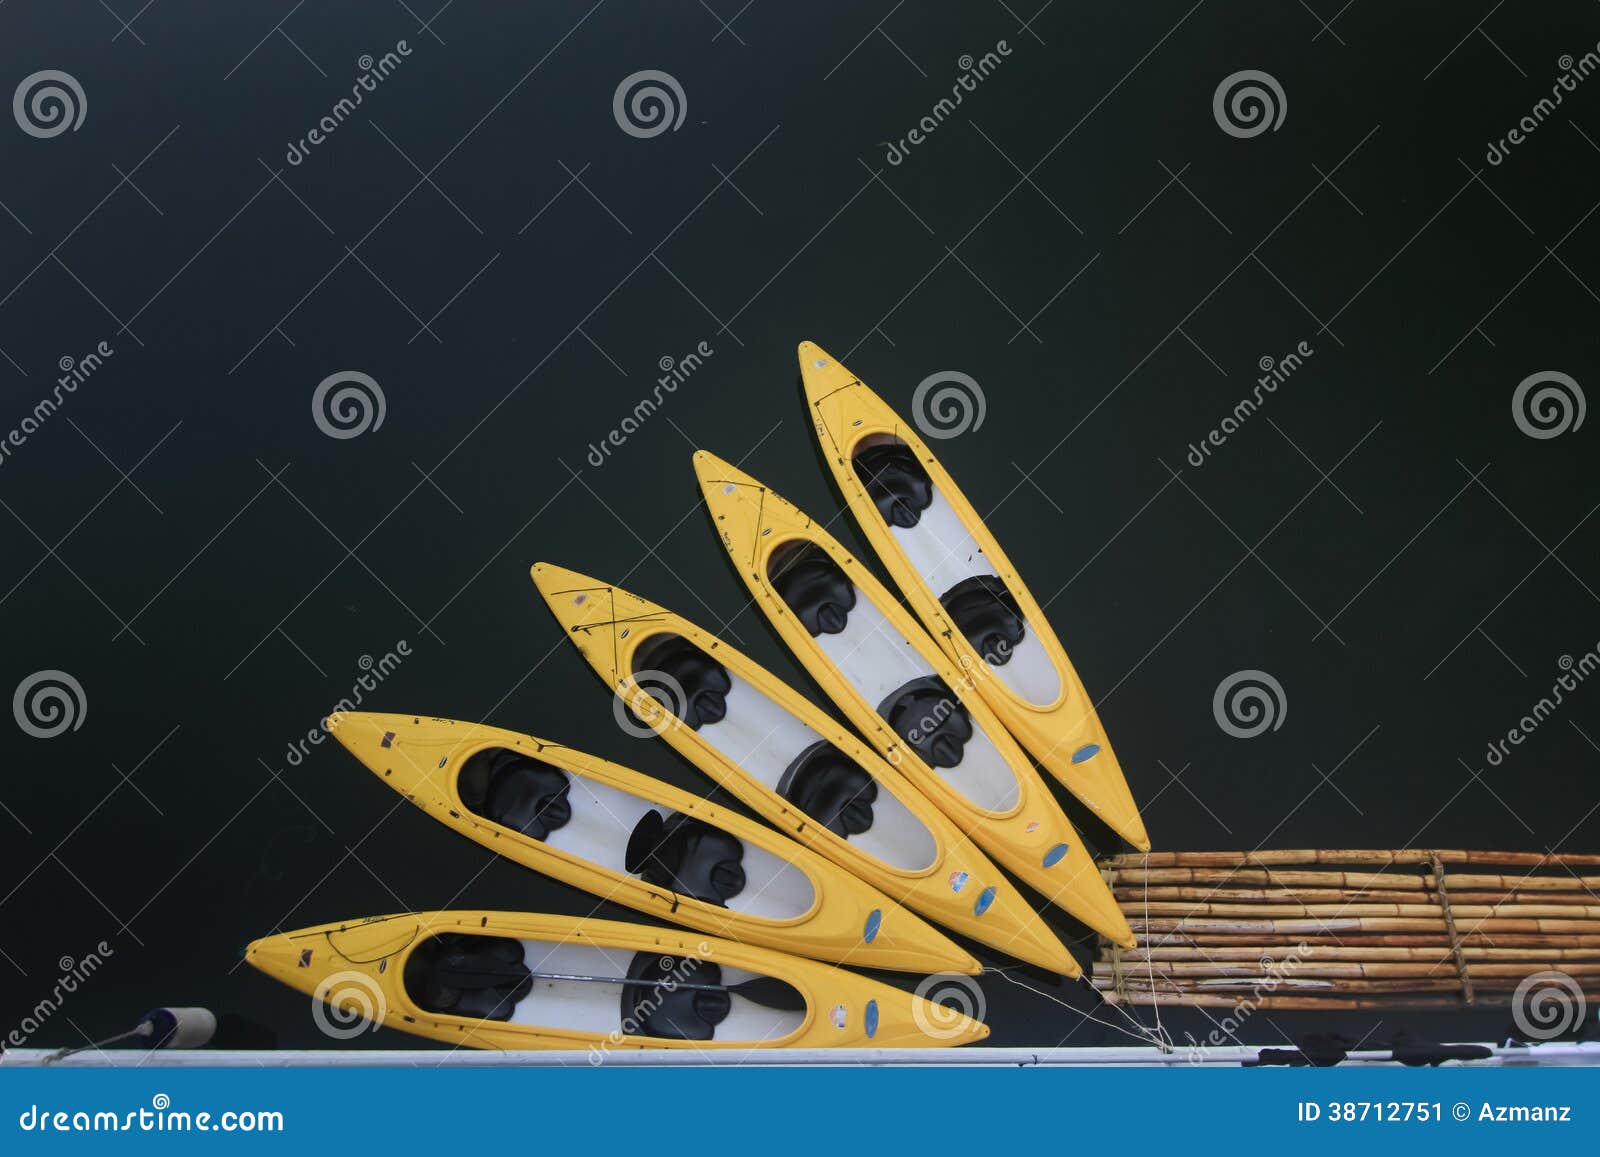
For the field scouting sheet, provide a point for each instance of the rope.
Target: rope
(1450, 928)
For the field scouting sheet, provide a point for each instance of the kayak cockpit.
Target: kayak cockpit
(632, 835)
(951, 564)
(584, 988)
(782, 753)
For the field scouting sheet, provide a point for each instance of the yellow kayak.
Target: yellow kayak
(902, 692)
(963, 588)
(627, 837)
(510, 980)
(793, 764)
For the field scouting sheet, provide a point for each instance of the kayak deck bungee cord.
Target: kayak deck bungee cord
(627, 837)
(963, 588)
(507, 980)
(902, 692)
(793, 764)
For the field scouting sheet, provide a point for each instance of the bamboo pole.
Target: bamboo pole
(1279, 972)
(1134, 898)
(1523, 883)
(1129, 877)
(1284, 911)
(1363, 856)
(1317, 926)
(1410, 940)
(1293, 1003)
(1142, 955)
(1275, 1002)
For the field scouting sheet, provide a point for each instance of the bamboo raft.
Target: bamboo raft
(1350, 929)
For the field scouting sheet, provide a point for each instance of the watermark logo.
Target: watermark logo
(973, 73)
(1573, 73)
(649, 103)
(1547, 1004)
(1249, 103)
(947, 998)
(347, 1004)
(348, 404)
(674, 372)
(1275, 971)
(948, 404)
(1573, 672)
(48, 703)
(49, 103)
(1274, 373)
(675, 970)
(74, 373)
(652, 704)
(1248, 703)
(373, 73)
(374, 672)
(74, 973)
(1548, 404)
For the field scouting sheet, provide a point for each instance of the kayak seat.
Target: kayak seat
(814, 586)
(686, 855)
(896, 482)
(928, 716)
(987, 613)
(697, 681)
(831, 788)
(651, 1008)
(458, 974)
(516, 790)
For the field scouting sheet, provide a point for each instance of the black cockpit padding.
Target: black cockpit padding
(688, 856)
(986, 612)
(703, 681)
(831, 788)
(896, 482)
(816, 588)
(928, 716)
(459, 974)
(651, 1008)
(514, 789)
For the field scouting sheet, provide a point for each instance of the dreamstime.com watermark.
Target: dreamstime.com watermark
(1573, 73)
(1274, 373)
(1547, 1004)
(1548, 404)
(947, 404)
(1275, 972)
(49, 703)
(347, 1004)
(73, 974)
(160, 1117)
(679, 970)
(1574, 672)
(49, 103)
(973, 73)
(376, 671)
(648, 103)
(1248, 703)
(373, 73)
(674, 372)
(1249, 103)
(947, 1000)
(348, 404)
(74, 373)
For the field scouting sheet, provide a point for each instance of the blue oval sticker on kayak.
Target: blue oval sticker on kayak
(1086, 752)
(874, 919)
(870, 1018)
(985, 898)
(1053, 856)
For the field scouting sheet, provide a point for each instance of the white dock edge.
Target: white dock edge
(1560, 1053)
